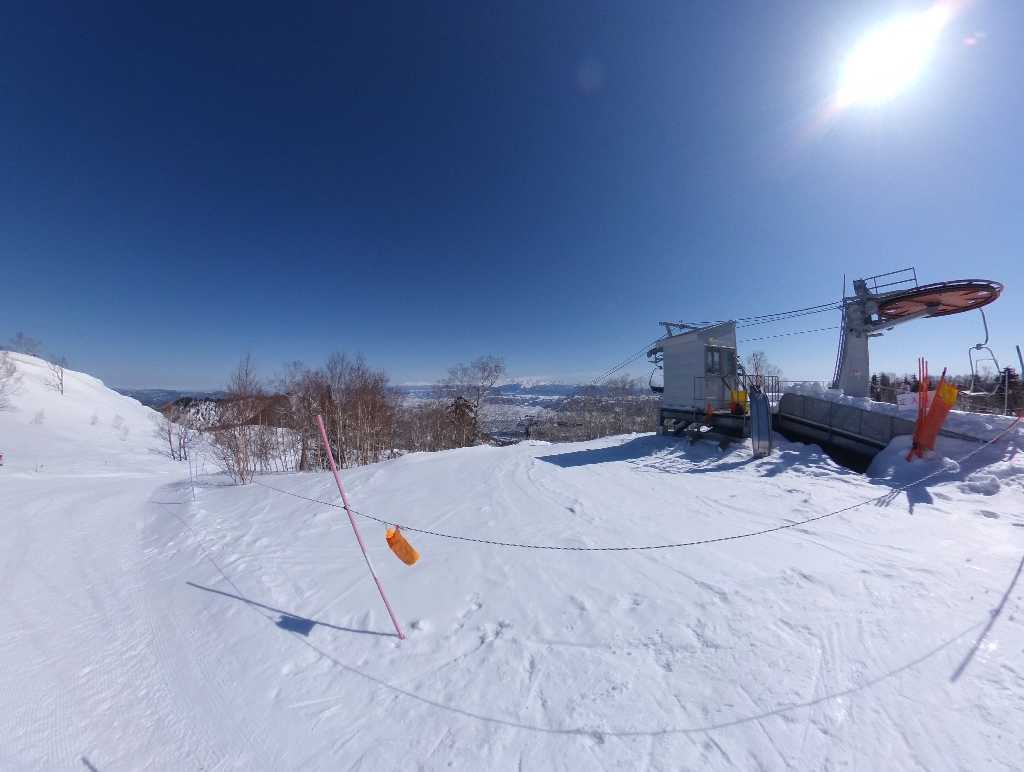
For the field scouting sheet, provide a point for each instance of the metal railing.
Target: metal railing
(900, 278)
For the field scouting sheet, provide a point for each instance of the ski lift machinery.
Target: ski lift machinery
(882, 302)
(705, 371)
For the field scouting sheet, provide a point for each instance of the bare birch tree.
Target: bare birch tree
(473, 383)
(306, 395)
(360, 411)
(759, 368)
(56, 368)
(175, 426)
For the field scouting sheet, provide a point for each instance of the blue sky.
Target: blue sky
(424, 182)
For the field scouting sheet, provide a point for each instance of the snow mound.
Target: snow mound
(87, 430)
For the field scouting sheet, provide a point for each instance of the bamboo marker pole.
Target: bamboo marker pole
(355, 528)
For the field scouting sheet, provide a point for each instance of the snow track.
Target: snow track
(92, 665)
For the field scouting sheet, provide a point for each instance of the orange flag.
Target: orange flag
(402, 548)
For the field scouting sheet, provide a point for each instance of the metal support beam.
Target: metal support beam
(860, 323)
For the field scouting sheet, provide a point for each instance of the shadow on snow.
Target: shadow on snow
(671, 455)
(288, 621)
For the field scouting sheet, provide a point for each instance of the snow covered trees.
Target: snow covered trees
(9, 380)
(235, 437)
(176, 427)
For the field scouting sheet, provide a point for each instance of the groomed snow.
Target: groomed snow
(240, 630)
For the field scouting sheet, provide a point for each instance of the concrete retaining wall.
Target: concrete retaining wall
(822, 421)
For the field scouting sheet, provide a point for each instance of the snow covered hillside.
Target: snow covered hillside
(88, 429)
(240, 630)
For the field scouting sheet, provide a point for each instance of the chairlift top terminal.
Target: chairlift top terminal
(881, 302)
(704, 381)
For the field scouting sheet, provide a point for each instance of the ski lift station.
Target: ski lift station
(700, 365)
(707, 393)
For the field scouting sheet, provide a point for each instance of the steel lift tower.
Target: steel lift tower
(881, 302)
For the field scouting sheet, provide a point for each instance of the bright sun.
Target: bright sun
(891, 57)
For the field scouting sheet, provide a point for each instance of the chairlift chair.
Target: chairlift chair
(983, 346)
(650, 382)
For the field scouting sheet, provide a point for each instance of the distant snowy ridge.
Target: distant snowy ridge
(160, 397)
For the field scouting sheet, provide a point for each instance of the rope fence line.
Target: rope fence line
(673, 545)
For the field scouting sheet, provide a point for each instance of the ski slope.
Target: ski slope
(147, 629)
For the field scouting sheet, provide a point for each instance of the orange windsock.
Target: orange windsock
(402, 548)
(945, 399)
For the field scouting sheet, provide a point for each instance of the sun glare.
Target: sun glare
(891, 57)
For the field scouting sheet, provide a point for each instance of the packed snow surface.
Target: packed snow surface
(147, 629)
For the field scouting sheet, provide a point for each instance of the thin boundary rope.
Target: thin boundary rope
(673, 545)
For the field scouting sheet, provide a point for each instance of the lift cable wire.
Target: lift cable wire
(777, 318)
(826, 306)
(780, 315)
(827, 309)
(787, 334)
(765, 318)
(625, 363)
(674, 545)
(749, 321)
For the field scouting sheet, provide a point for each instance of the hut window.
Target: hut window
(712, 361)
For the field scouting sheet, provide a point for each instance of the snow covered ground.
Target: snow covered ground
(239, 630)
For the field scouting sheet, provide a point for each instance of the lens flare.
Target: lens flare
(891, 57)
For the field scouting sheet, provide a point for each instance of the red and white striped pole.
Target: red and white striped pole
(352, 520)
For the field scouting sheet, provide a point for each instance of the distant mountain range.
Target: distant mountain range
(532, 387)
(160, 397)
(528, 389)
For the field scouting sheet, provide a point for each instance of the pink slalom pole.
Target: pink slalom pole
(352, 520)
